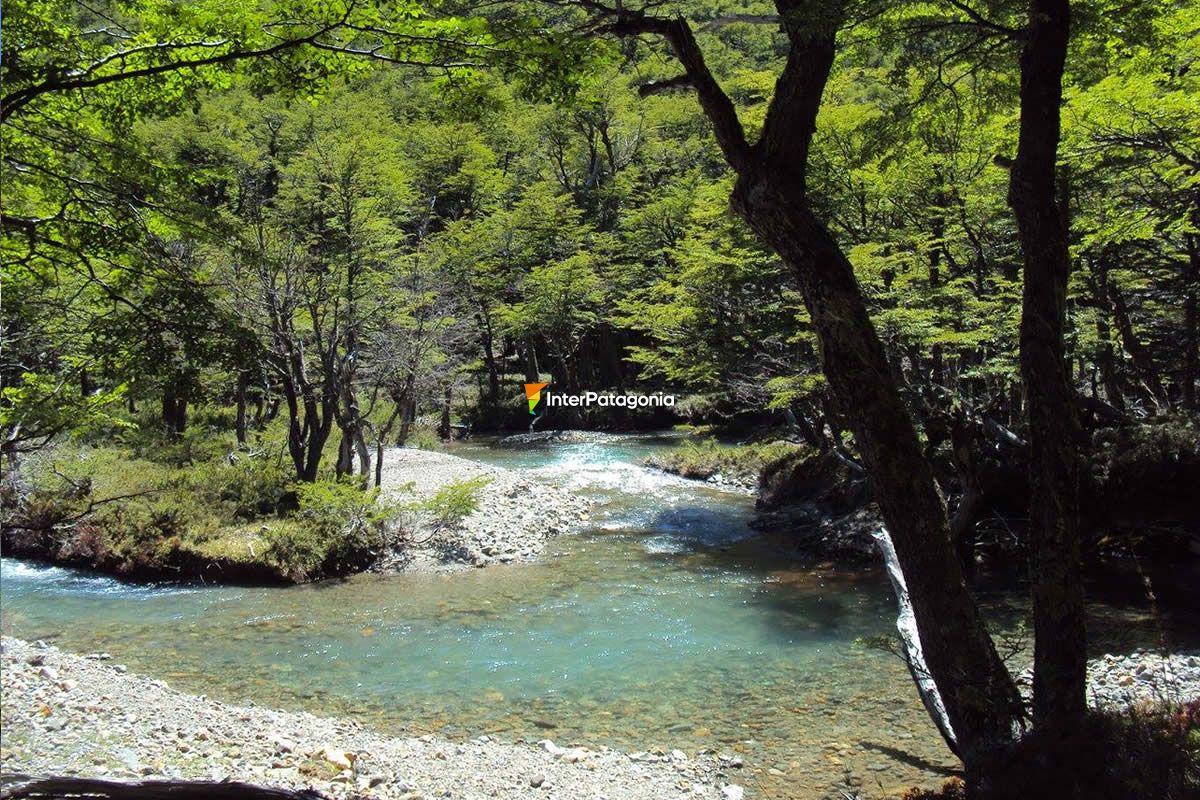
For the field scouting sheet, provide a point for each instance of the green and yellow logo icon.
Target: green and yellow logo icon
(533, 393)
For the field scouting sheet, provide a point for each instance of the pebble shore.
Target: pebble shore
(1119, 681)
(515, 519)
(64, 714)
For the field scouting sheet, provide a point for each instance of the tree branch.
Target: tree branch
(719, 109)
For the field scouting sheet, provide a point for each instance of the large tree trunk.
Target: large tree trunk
(973, 698)
(1060, 657)
(174, 406)
(981, 702)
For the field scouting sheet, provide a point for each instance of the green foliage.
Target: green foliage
(708, 457)
(40, 407)
(252, 487)
(339, 527)
(455, 501)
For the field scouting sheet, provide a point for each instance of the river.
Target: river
(664, 625)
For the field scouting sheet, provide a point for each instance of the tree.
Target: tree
(1060, 652)
(969, 690)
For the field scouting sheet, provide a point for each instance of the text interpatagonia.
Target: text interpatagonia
(609, 399)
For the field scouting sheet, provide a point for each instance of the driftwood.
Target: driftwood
(17, 787)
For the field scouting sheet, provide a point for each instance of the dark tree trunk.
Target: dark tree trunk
(489, 361)
(1191, 320)
(243, 381)
(1138, 354)
(980, 698)
(1060, 656)
(1106, 357)
(444, 422)
(964, 440)
(174, 406)
(408, 414)
(531, 363)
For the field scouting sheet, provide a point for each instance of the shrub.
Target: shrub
(252, 486)
(455, 501)
(339, 527)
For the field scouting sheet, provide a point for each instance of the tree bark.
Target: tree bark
(1142, 361)
(1191, 320)
(444, 422)
(243, 380)
(1060, 657)
(1106, 357)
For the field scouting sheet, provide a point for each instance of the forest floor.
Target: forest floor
(510, 518)
(65, 714)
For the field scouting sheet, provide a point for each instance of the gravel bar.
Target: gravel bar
(65, 714)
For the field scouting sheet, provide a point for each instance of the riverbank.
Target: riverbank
(72, 715)
(242, 519)
(511, 521)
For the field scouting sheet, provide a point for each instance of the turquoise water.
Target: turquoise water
(664, 625)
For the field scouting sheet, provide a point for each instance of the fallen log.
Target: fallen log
(24, 787)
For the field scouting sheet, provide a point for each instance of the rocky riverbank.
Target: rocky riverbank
(1119, 681)
(72, 715)
(514, 519)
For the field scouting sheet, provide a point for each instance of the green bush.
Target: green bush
(455, 501)
(339, 527)
(251, 486)
(423, 437)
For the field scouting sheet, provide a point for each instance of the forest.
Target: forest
(934, 263)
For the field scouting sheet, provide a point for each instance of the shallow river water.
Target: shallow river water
(662, 626)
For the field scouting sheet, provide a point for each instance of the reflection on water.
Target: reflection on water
(661, 627)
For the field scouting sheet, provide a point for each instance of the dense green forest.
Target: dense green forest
(248, 248)
(377, 238)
